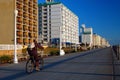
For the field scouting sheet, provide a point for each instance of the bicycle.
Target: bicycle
(30, 64)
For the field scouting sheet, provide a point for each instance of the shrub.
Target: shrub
(54, 53)
(68, 50)
(5, 58)
(51, 51)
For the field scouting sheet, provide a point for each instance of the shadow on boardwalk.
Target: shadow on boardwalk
(14, 72)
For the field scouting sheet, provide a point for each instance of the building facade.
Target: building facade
(57, 22)
(99, 41)
(26, 21)
(87, 34)
(96, 40)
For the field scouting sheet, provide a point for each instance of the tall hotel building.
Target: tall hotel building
(87, 35)
(57, 22)
(26, 21)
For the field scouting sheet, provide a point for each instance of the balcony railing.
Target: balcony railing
(35, 35)
(25, 28)
(30, 35)
(19, 26)
(30, 40)
(25, 40)
(19, 33)
(30, 4)
(20, 13)
(30, 11)
(25, 34)
(34, 17)
(30, 23)
(19, 6)
(35, 29)
(25, 8)
(30, 29)
(20, 1)
(34, 23)
(34, 6)
(35, 1)
(19, 40)
(19, 19)
(34, 12)
(25, 15)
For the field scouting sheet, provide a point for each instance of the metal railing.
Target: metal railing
(9, 47)
(116, 49)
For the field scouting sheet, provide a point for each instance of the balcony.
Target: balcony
(35, 35)
(34, 6)
(19, 26)
(19, 40)
(30, 16)
(30, 40)
(30, 4)
(30, 23)
(19, 33)
(25, 34)
(34, 17)
(25, 28)
(30, 10)
(25, 15)
(25, 2)
(34, 12)
(25, 8)
(20, 13)
(19, 19)
(19, 6)
(25, 40)
(25, 21)
(35, 1)
(20, 1)
(30, 35)
(34, 23)
(30, 28)
(35, 29)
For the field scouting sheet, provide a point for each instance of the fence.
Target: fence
(9, 47)
(116, 49)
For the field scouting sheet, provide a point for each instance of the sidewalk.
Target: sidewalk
(116, 66)
(116, 69)
(90, 65)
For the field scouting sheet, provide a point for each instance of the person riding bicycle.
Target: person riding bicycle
(32, 51)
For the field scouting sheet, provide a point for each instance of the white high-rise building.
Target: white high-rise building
(96, 40)
(57, 22)
(87, 35)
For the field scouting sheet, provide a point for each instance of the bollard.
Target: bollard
(118, 51)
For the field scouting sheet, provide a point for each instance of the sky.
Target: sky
(102, 15)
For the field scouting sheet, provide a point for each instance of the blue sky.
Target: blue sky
(102, 15)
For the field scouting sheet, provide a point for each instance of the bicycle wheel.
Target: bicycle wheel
(29, 66)
(41, 63)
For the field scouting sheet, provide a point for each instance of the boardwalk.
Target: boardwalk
(90, 65)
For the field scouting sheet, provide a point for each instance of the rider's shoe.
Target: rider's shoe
(37, 69)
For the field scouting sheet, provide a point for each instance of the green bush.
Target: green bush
(54, 53)
(68, 50)
(51, 51)
(5, 58)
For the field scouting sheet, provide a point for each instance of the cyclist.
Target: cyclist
(32, 51)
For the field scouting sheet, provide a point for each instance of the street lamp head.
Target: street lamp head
(16, 12)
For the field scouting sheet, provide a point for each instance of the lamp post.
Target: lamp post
(15, 47)
(61, 50)
(60, 41)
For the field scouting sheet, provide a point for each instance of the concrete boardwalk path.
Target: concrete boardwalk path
(91, 65)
